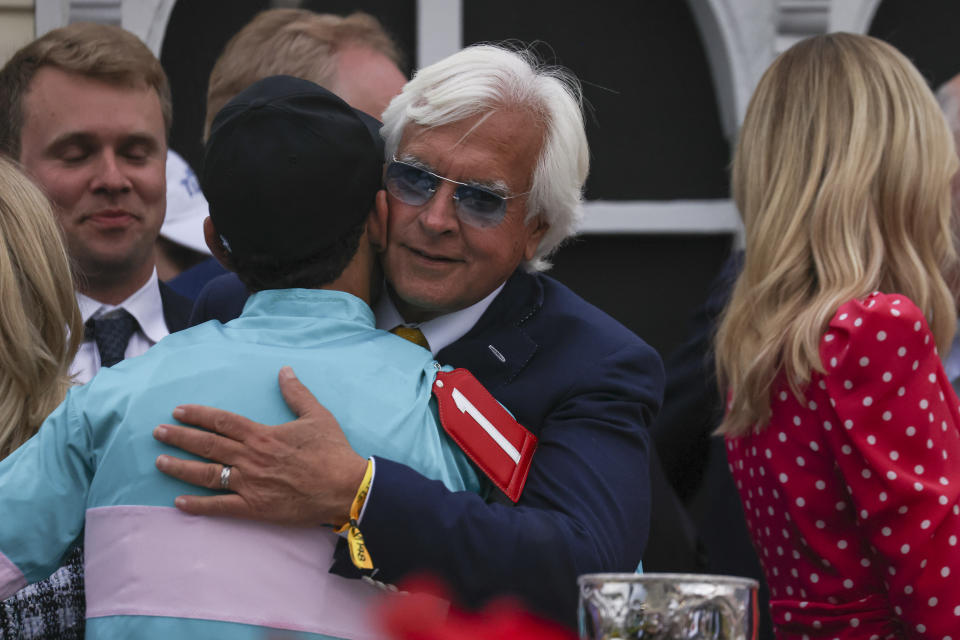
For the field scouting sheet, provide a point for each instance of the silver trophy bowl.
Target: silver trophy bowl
(667, 606)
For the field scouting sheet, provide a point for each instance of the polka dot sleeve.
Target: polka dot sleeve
(899, 454)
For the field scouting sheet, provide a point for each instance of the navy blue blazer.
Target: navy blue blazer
(176, 308)
(588, 388)
(190, 283)
(220, 299)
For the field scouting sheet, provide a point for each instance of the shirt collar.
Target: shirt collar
(440, 331)
(144, 305)
(325, 303)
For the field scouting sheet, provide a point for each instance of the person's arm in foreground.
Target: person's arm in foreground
(302, 473)
(897, 452)
(585, 507)
(43, 489)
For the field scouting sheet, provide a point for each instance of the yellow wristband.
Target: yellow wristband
(358, 550)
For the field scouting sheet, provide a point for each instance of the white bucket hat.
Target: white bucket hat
(186, 206)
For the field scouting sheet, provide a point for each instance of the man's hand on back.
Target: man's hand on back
(301, 473)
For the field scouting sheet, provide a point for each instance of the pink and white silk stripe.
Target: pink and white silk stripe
(11, 578)
(157, 561)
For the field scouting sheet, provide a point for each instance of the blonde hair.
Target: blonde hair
(842, 175)
(40, 325)
(100, 51)
(291, 42)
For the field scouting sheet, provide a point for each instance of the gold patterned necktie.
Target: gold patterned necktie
(412, 334)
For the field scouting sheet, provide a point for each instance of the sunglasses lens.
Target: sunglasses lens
(409, 184)
(479, 207)
(476, 206)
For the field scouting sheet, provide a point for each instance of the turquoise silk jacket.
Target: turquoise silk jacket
(154, 572)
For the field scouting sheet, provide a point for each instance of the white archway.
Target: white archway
(146, 18)
(743, 36)
(854, 16)
(739, 37)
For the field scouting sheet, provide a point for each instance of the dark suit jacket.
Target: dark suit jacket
(190, 283)
(220, 299)
(176, 308)
(588, 388)
(692, 407)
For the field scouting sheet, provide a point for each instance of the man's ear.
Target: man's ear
(536, 229)
(377, 223)
(215, 244)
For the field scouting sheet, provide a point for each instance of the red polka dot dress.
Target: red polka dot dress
(853, 495)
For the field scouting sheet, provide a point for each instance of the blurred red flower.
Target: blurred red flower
(424, 613)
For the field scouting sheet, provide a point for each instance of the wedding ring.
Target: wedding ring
(225, 478)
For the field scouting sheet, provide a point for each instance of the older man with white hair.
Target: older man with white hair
(486, 160)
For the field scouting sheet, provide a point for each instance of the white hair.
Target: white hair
(482, 78)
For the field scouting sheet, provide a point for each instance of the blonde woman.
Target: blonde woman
(842, 429)
(40, 324)
(40, 330)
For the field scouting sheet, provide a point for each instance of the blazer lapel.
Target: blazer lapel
(176, 308)
(498, 348)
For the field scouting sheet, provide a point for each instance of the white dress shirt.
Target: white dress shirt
(144, 305)
(439, 332)
(442, 330)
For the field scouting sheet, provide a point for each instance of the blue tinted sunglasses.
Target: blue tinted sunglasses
(477, 206)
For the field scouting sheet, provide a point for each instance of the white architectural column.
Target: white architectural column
(439, 30)
(673, 217)
(854, 16)
(16, 26)
(739, 37)
(146, 18)
(799, 19)
(51, 14)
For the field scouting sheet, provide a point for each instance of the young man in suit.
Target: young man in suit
(486, 160)
(86, 111)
